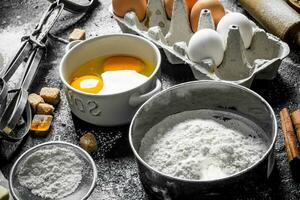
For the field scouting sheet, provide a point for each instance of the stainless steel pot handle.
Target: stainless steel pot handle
(137, 99)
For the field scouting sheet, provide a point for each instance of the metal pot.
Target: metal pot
(215, 95)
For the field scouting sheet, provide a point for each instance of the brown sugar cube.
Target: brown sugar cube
(44, 108)
(41, 123)
(77, 34)
(88, 142)
(34, 100)
(50, 95)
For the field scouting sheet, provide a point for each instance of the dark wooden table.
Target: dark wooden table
(117, 171)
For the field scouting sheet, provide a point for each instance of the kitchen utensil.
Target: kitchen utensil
(294, 4)
(33, 45)
(196, 95)
(82, 192)
(277, 17)
(32, 49)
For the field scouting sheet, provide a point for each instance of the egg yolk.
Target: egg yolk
(88, 83)
(115, 63)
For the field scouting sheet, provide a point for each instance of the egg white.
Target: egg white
(121, 81)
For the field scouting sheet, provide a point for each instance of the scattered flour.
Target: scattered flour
(202, 145)
(51, 173)
(10, 42)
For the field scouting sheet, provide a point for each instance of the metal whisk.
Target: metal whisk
(30, 53)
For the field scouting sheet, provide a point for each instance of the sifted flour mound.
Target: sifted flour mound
(203, 145)
(51, 173)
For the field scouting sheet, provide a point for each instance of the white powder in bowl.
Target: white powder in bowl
(203, 145)
(51, 173)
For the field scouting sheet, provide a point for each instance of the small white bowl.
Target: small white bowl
(112, 109)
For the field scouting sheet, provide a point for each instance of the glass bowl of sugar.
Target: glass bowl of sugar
(53, 170)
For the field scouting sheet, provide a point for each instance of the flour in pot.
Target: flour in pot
(51, 173)
(203, 144)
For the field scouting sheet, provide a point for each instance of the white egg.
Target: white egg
(206, 43)
(240, 20)
(121, 81)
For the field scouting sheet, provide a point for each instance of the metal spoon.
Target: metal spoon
(17, 105)
(33, 48)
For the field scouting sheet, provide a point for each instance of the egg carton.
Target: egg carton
(240, 65)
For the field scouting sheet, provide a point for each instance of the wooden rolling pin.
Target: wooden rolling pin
(277, 17)
(294, 4)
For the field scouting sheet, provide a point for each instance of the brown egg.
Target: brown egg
(216, 8)
(169, 6)
(121, 7)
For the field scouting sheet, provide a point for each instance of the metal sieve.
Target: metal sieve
(82, 192)
(212, 95)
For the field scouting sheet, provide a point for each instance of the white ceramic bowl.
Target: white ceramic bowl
(112, 109)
